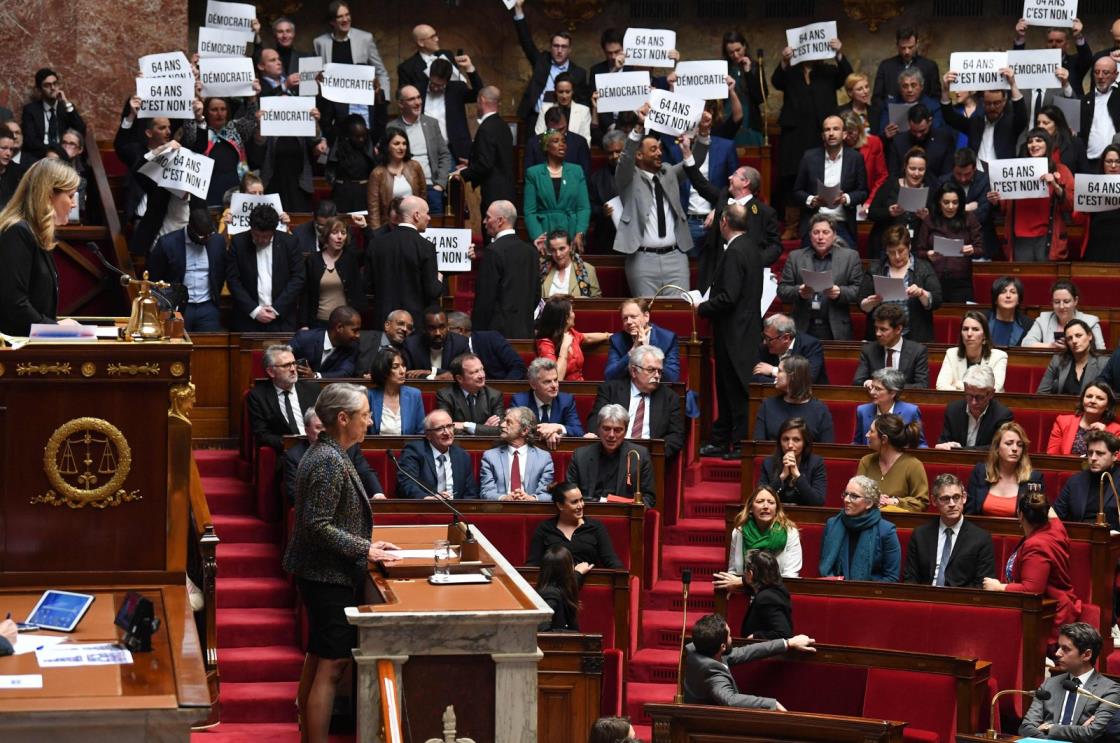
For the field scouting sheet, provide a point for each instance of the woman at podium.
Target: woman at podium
(29, 282)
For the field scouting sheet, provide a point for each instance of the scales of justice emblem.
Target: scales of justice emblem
(86, 461)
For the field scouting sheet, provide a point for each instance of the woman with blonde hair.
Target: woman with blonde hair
(995, 485)
(29, 281)
(870, 147)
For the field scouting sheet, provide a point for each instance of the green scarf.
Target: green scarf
(772, 540)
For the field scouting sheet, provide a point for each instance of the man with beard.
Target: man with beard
(429, 354)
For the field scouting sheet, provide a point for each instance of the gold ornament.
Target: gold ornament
(26, 369)
(86, 461)
(89, 369)
(182, 401)
(132, 370)
(177, 368)
(872, 12)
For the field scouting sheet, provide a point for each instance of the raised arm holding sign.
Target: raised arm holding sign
(168, 64)
(706, 80)
(622, 91)
(178, 169)
(649, 47)
(812, 42)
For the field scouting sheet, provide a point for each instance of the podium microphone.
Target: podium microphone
(1068, 685)
(686, 579)
(469, 547)
(1039, 694)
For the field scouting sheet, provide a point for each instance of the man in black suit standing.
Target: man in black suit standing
(994, 135)
(429, 355)
(832, 165)
(414, 70)
(475, 408)
(330, 352)
(446, 99)
(780, 339)
(890, 348)
(195, 257)
(497, 355)
(971, 423)
(1100, 112)
(265, 272)
(403, 266)
(950, 551)
(508, 286)
(490, 165)
(886, 77)
(939, 143)
(274, 405)
(600, 190)
(546, 64)
(10, 172)
(654, 409)
(46, 116)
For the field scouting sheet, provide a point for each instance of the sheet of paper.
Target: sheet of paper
(897, 113)
(703, 79)
(828, 194)
(947, 247)
(913, 199)
(109, 332)
(818, 281)
(31, 642)
(1071, 107)
(414, 554)
(99, 654)
(616, 210)
(22, 681)
(694, 297)
(891, 290)
(769, 290)
(978, 71)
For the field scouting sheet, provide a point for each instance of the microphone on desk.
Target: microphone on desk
(686, 580)
(1069, 685)
(123, 278)
(1040, 694)
(468, 547)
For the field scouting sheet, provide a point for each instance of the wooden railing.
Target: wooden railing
(205, 541)
(390, 712)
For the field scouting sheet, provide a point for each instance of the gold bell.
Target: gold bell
(144, 324)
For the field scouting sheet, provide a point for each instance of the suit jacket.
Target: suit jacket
(456, 96)
(412, 410)
(506, 292)
(363, 50)
(417, 352)
(978, 487)
(403, 274)
(490, 164)
(418, 461)
(267, 419)
(955, 425)
(496, 463)
(853, 181)
(579, 153)
(867, 413)
(452, 400)
(1088, 104)
(168, 261)
(618, 354)
(722, 160)
(497, 355)
(939, 148)
(1064, 432)
(439, 156)
(342, 363)
(666, 418)
(579, 120)
(349, 270)
(34, 125)
(1079, 498)
(562, 410)
(1061, 366)
(541, 62)
(913, 362)
(600, 190)
(709, 681)
(1083, 709)
(28, 283)
(886, 77)
(583, 470)
(545, 211)
(971, 560)
(413, 71)
(637, 199)
(733, 307)
(294, 453)
(9, 181)
(1013, 121)
(847, 271)
(288, 277)
(803, 345)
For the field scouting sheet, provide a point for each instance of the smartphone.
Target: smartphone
(27, 627)
(303, 362)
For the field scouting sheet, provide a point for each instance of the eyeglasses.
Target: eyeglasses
(441, 429)
(849, 495)
(771, 338)
(650, 370)
(950, 499)
(289, 365)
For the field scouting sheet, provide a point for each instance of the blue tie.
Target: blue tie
(945, 552)
(1071, 700)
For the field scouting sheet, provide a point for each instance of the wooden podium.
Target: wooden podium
(96, 460)
(473, 647)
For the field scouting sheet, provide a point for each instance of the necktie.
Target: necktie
(470, 407)
(289, 413)
(639, 418)
(515, 473)
(545, 413)
(945, 552)
(441, 484)
(659, 199)
(1071, 700)
(890, 358)
(1037, 101)
(52, 127)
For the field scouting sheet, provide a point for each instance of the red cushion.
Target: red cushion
(611, 702)
(596, 612)
(927, 701)
(798, 686)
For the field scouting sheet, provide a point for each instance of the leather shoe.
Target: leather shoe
(733, 455)
(713, 450)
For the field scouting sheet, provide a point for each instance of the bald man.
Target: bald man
(1100, 111)
(414, 70)
(404, 265)
(425, 141)
(490, 165)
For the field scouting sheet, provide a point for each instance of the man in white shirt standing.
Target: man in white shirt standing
(1100, 112)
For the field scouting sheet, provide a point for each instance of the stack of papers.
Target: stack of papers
(98, 654)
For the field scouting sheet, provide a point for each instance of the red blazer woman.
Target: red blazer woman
(876, 163)
(1042, 566)
(1065, 430)
(1048, 215)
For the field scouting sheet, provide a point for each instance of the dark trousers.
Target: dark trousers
(731, 427)
(201, 317)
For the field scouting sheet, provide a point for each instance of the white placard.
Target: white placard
(241, 205)
(167, 64)
(622, 91)
(217, 42)
(1035, 69)
(230, 16)
(226, 76)
(181, 170)
(769, 290)
(22, 681)
(672, 113)
(978, 71)
(811, 42)
(913, 199)
(947, 246)
(890, 289)
(1019, 178)
(649, 47)
(172, 97)
(509, 4)
(1096, 193)
(1050, 12)
(706, 80)
(309, 68)
(348, 83)
(616, 210)
(287, 116)
(451, 248)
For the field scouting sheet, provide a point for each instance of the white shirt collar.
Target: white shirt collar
(503, 233)
(409, 225)
(486, 116)
(956, 528)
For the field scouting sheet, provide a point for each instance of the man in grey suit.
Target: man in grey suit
(517, 470)
(426, 143)
(1067, 714)
(825, 315)
(707, 675)
(475, 408)
(653, 230)
(345, 44)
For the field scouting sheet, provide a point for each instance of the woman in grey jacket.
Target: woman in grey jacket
(1075, 368)
(1048, 329)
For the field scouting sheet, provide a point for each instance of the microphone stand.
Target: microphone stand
(686, 579)
(468, 547)
(695, 338)
(1101, 519)
(1040, 693)
(765, 94)
(637, 472)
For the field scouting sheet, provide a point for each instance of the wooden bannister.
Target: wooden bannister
(206, 541)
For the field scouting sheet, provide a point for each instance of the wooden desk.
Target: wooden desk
(696, 723)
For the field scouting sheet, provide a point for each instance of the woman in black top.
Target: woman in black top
(1102, 230)
(1071, 150)
(771, 612)
(794, 472)
(350, 166)
(334, 275)
(29, 279)
(586, 539)
(558, 586)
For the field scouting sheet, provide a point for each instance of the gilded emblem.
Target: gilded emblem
(182, 401)
(89, 369)
(118, 370)
(25, 369)
(177, 368)
(86, 461)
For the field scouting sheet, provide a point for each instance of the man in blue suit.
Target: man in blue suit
(436, 462)
(555, 410)
(330, 352)
(1079, 499)
(517, 470)
(195, 257)
(498, 357)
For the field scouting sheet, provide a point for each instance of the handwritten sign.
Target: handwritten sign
(237, 17)
(811, 42)
(672, 113)
(168, 64)
(241, 206)
(171, 97)
(216, 42)
(451, 248)
(706, 80)
(1049, 12)
(978, 70)
(181, 170)
(1019, 178)
(1096, 193)
(622, 91)
(309, 69)
(1035, 69)
(226, 76)
(348, 83)
(649, 47)
(287, 116)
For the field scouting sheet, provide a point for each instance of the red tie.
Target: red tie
(639, 418)
(515, 474)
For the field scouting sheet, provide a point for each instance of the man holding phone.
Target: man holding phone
(45, 119)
